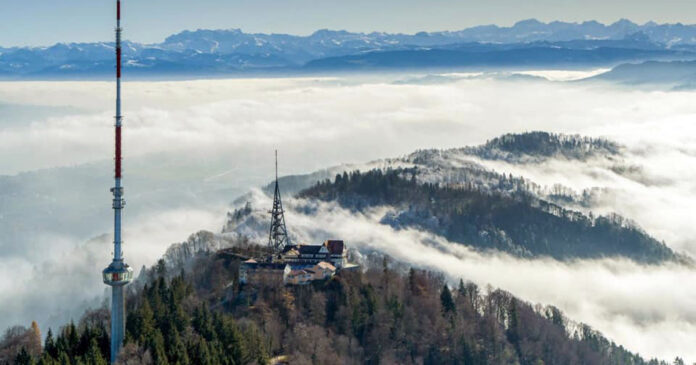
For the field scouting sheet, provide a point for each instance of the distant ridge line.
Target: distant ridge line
(224, 52)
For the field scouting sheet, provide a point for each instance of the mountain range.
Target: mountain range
(528, 43)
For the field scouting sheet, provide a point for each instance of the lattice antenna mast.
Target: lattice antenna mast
(278, 236)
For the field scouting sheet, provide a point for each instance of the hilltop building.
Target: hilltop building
(332, 251)
(251, 267)
(298, 263)
(294, 275)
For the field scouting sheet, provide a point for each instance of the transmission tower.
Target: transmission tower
(118, 274)
(278, 236)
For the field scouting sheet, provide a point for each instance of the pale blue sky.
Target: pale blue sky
(44, 22)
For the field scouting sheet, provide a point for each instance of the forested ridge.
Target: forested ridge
(541, 145)
(516, 222)
(387, 314)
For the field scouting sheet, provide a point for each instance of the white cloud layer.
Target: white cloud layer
(634, 305)
(204, 140)
(61, 287)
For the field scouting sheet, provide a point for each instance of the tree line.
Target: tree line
(517, 223)
(385, 314)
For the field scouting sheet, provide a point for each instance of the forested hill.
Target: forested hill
(464, 166)
(517, 222)
(385, 315)
(539, 146)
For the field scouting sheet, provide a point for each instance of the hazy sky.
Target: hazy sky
(44, 22)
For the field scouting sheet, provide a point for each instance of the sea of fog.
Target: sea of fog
(192, 147)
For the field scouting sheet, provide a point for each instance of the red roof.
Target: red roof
(335, 247)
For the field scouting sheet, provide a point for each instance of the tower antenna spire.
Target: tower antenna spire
(278, 235)
(118, 273)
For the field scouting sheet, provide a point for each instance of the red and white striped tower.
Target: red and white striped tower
(118, 273)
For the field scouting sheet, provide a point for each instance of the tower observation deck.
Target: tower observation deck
(118, 273)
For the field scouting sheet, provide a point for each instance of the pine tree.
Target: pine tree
(72, 339)
(23, 358)
(447, 300)
(94, 355)
(161, 268)
(46, 359)
(64, 359)
(50, 345)
(147, 321)
(155, 343)
(513, 330)
(201, 353)
(176, 349)
(202, 323)
(177, 317)
(232, 339)
(255, 345)
(412, 280)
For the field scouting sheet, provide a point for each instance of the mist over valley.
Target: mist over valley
(196, 150)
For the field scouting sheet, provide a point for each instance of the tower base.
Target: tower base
(118, 321)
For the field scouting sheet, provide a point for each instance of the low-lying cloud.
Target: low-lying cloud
(192, 146)
(634, 305)
(60, 287)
